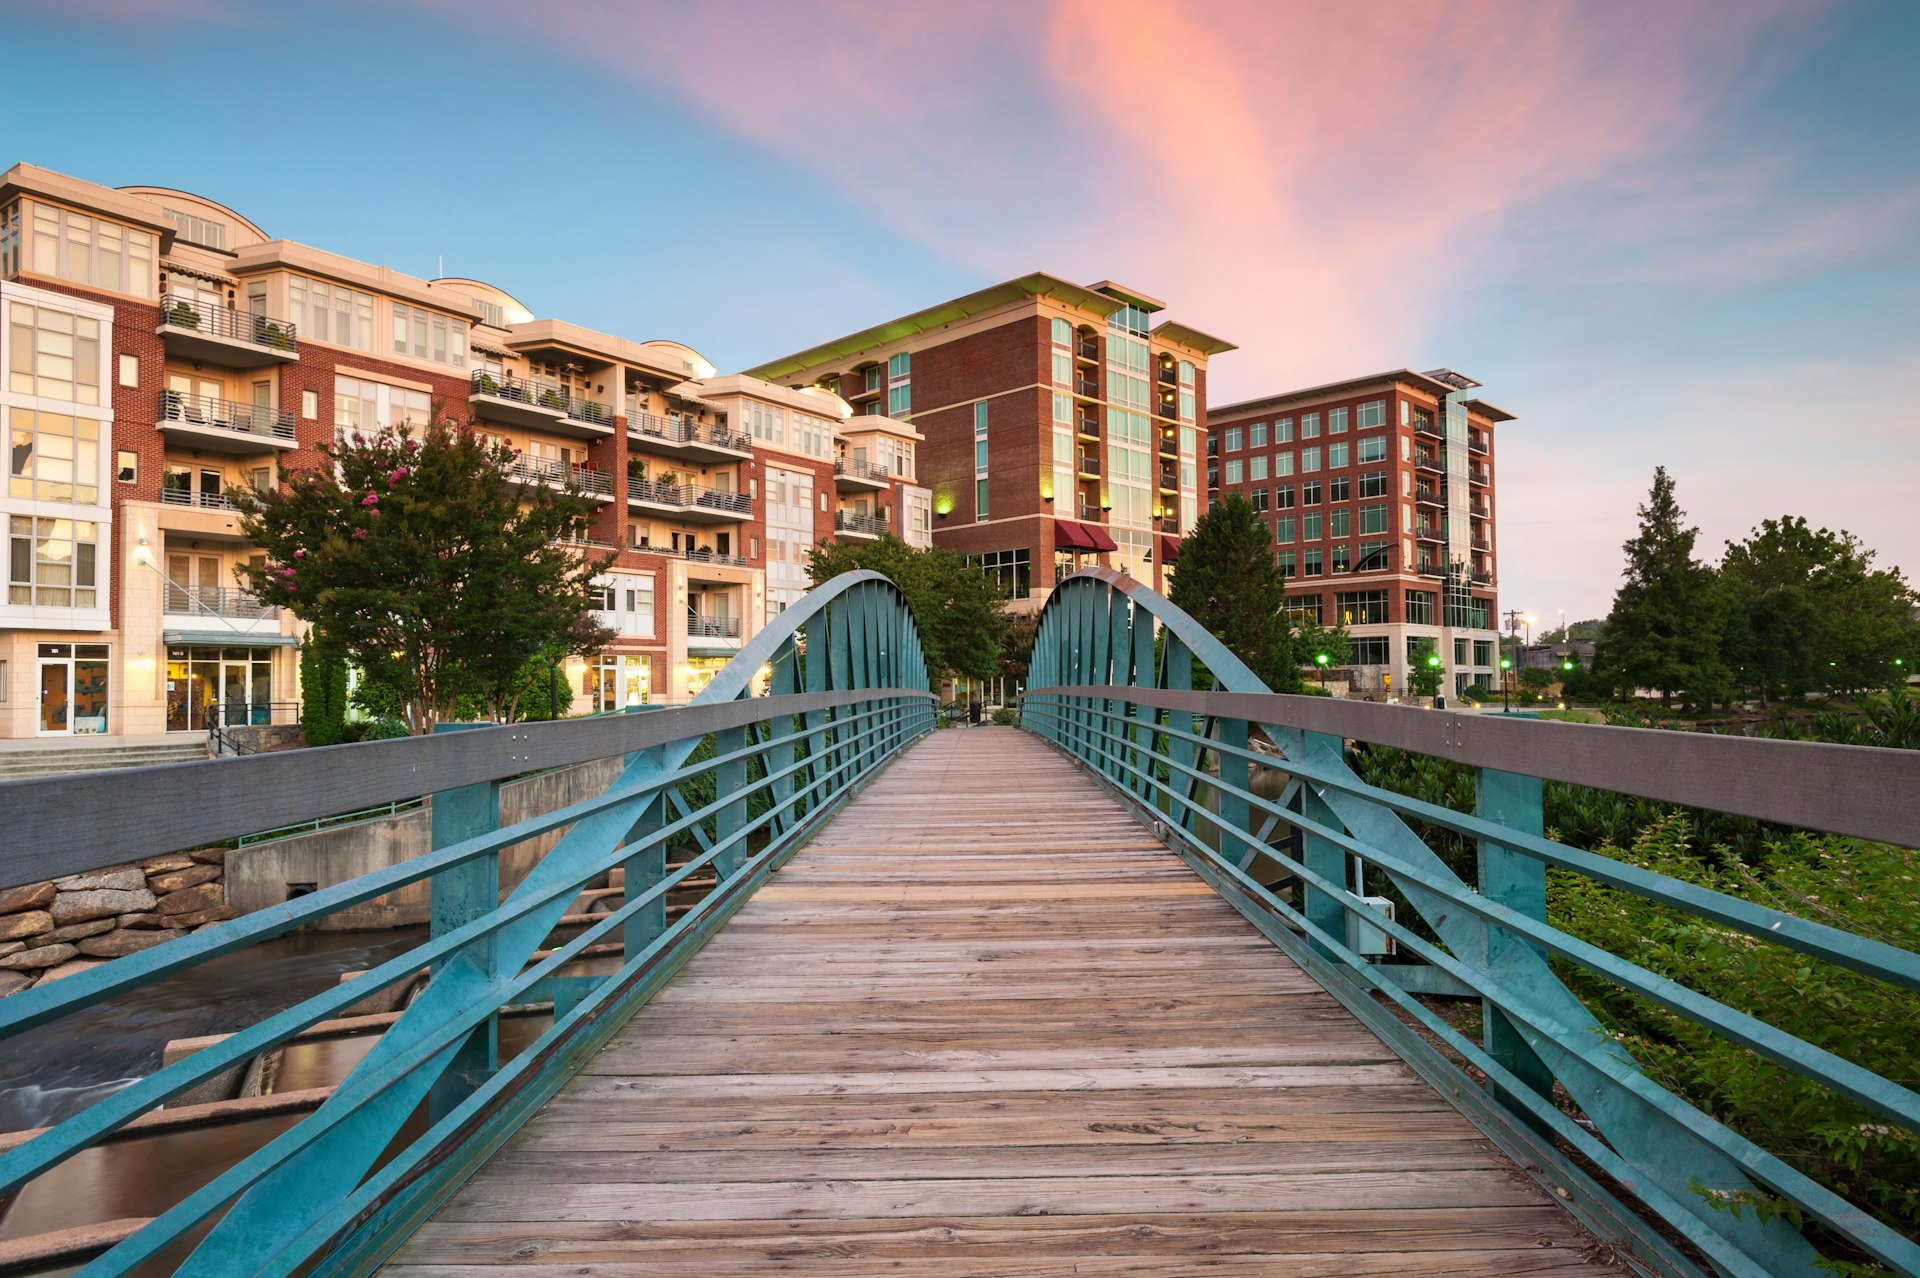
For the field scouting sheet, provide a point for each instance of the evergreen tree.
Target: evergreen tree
(1424, 676)
(323, 692)
(1229, 582)
(1664, 630)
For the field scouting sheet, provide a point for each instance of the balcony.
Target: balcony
(537, 405)
(1169, 375)
(712, 627)
(1087, 387)
(1477, 444)
(848, 524)
(1088, 465)
(1426, 496)
(1480, 510)
(1428, 427)
(1087, 426)
(1479, 475)
(1169, 481)
(690, 554)
(694, 503)
(201, 501)
(1427, 532)
(558, 474)
(1482, 545)
(853, 475)
(1481, 577)
(228, 602)
(1169, 524)
(584, 544)
(677, 436)
(1169, 442)
(1428, 568)
(206, 332)
(1088, 349)
(1092, 514)
(1429, 462)
(1169, 410)
(223, 425)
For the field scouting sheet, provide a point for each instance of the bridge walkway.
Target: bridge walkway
(984, 1024)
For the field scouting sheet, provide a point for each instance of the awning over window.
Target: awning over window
(224, 639)
(1099, 535)
(1169, 549)
(1068, 535)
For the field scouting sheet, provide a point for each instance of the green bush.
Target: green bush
(385, 730)
(1006, 717)
(323, 693)
(1314, 690)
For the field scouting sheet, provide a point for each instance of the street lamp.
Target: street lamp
(1506, 685)
(1320, 659)
(1433, 662)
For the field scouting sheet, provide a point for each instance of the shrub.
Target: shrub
(323, 693)
(385, 730)
(1006, 717)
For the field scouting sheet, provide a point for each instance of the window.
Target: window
(1283, 530)
(1336, 421)
(1336, 455)
(51, 562)
(127, 469)
(1283, 430)
(56, 354)
(899, 366)
(361, 407)
(1340, 523)
(1483, 652)
(53, 457)
(1257, 435)
(1233, 439)
(129, 370)
(1259, 496)
(1285, 560)
(1339, 488)
(1343, 558)
(1373, 484)
(1257, 466)
(1374, 557)
(1011, 568)
(1374, 413)
(1213, 474)
(1360, 607)
(979, 460)
(86, 250)
(1311, 527)
(1283, 464)
(1371, 650)
(1309, 460)
(1309, 425)
(1062, 333)
(1304, 608)
(1310, 493)
(197, 230)
(1062, 408)
(429, 335)
(9, 246)
(1420, 607)
(1459, 652)
(872, 378)
(1372, 449)
(899, 401)
(331, 312)
(1283, 497)
(1186, 372)
(1062, 369)
(309, 404)
(1233, 471)
(1373, 518)
(1310, 562)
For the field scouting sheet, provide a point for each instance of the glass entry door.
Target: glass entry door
(73, 689)
(56, 698)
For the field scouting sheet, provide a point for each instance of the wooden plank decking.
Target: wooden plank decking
(984, 1025)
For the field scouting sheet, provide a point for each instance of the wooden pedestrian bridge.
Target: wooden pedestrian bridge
(1102, 995)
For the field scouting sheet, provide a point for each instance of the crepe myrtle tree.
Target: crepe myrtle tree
(427, 565)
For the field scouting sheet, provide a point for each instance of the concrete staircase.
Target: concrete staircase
(57, 760)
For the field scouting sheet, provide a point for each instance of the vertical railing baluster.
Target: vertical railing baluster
(457, 896)
(1235, 779)
(1325, 858)
(729, 781)
(1518, 882)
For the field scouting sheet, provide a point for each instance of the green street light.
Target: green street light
(1433, 658)
(1567, 664)
(1506, 663)
(1320, 659)
(1506, 686)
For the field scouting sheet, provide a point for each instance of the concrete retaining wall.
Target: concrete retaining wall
(263, 874)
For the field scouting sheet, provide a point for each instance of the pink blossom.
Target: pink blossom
(371, 499)
(359, 534)
(299, 554)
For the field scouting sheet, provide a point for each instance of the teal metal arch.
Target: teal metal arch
(844, 688)
(1112, 682)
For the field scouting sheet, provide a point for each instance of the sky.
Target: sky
(1660, 232)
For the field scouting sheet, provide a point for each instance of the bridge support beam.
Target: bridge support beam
(457, 897)
(1518, 882)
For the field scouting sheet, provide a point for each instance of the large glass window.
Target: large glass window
(1257, 435)
(1257, 466)
(1372, 449)
(1371, 650)
(1283, 530)
(1283, 430)
(10, 240)
(1336, 421)
(1336, 455)
(1231, 441)
(52, 563)
(87, 250)
(1013, 569)
(1360, 607)
(1373, 518)
(1339, 488)
(228, 686)
(361, 407)
(54, 354)
(1373, 414)
(53, 457)
(1420, 606)
(331, 312)
(1309, 425)
(1283, 463)
(1373, 484)
(429, 335)
(1309, 460)
(1310, 527)
(1233, 471)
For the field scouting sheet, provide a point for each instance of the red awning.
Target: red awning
(1098, 536)
(1169, 549)
(1068, 535)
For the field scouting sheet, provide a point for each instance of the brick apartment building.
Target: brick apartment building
(1060, 425)
(160, 350)
(1380, 494)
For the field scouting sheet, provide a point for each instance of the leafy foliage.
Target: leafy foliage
(1423, 676)
(428, 567)
(1229, 582)
(1664, 630)
(959, 609)
(323, 692)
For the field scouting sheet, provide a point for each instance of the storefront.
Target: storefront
(618, 680)
(700, 672)
(71, 680)
(228, 685)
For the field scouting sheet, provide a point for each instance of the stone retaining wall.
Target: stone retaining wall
(54, 929)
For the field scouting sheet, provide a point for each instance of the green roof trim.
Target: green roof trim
(1193, 339)
(1038, 284)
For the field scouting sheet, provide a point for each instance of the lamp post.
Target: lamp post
(1439, 699)
(1506, 685)
(1320, 659)
(1566, 668)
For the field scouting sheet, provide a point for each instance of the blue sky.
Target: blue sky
(1661, 233)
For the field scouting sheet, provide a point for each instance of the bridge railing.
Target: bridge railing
(1255, 791)
(741, 780)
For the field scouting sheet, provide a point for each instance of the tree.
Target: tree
(1664, 630)
(1806, 609)
(1229, 582)
(323, 692)
(431, 569)
(1313, 641)
(1424, 675)
(959, 608)
(1594, 629)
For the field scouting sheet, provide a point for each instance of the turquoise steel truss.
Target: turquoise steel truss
(826, 694)
(1112, 682)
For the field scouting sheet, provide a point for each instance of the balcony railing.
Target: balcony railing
(187, 497)
(1481, 577)
(1088, 424)
(1090, 513)
(590, 411)
(703, 556)
(1428, 496)
(680, 430)
(210, 319)
(1087, 386)
(545, 470)
(1087, 348)
(1169, 410)
(585, 543)
(227, 415)
(1429, 462)
(1169, 482)
(218, 601)
(1482, 544)
(854, 468)
(518, 390)
(661, 492)
(1429, 533)
(1431, 569)
(1477, 445)
(1480, 510)
(1169, 375)
(1479, 475)
(704, 627)
(1168, 524)
(1088, 463)
(871, 525)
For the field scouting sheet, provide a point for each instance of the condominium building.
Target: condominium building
(1057, 424)
(1380, 494)
(162, 350)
